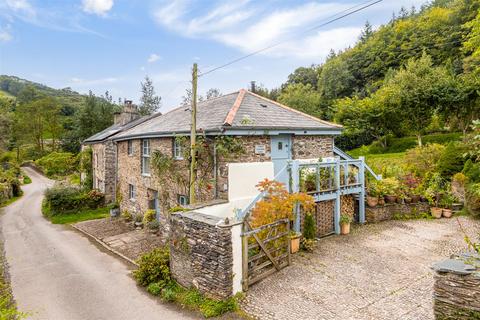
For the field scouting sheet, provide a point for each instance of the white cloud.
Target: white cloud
(98, 7)
(153, 58)
(5, 33)
(92, 82)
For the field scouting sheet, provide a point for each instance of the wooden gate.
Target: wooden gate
(266, 250)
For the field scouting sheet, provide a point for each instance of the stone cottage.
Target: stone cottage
(240, 127)
(104, 156)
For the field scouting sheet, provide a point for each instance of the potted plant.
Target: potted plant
(127, 216)
(372, 194)
(391, 188)
(446, 203)
(138, 221)
(114, 209)
(153, 226)
(433, 193)
(345, 221)
(294, 241)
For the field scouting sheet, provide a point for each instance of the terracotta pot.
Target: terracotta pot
(390, 198)
(407, 200)
(415, 198)
(345, 228)
(447, 213)
(381, 201)
(436, 212)
(294, 244)
(372, 201)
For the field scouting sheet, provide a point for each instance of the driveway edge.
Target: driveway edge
(103, 244)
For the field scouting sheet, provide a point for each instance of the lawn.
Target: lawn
(378, 162)
(77, 216)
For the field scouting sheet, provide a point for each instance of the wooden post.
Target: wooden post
(193, 137)
(289, 249)
(244, 260)
(361, 198)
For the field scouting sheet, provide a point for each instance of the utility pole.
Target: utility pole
(193, 137)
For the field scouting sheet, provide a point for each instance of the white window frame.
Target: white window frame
(132, 193)
(130, 147)
(177, 150)
(184, 202)
(146, 157)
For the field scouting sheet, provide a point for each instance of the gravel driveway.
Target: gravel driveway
(379, 271)
(58, 274)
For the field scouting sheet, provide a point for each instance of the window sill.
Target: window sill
(178, 158)
(148, 175)
(132, 200)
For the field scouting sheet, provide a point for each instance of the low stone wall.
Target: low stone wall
(201, 253)
(457, 289)
(391, 210)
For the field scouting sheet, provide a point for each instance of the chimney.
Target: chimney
(253, 87)
(128, 114)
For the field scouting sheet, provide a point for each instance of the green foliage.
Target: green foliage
(76, 216)
(85, 167)
(305, 98)
(472, 199)
(422, 160)
(472, 171)
(153, 267)
(26, 179)
(345, 219)
(309, 227)
(149, 101)
(155, 288)
(214, 308)
(62, 199)
(452, 159)
(58, 164)
(149, 216)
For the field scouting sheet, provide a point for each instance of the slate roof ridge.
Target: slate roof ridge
(236, 105)
(294, 110)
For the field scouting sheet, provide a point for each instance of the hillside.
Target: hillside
(11, 86)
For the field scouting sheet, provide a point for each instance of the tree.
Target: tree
(335, 80)
(367, 32)
(149, 102)
(303, 97)
(213, 93)
(304, 75)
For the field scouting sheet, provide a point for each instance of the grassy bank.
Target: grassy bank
(74, 216)
(9, 202)
(8, 309)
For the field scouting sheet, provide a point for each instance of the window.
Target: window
(182, 200)
(280, 145)
(177, 150)
(146, 157)
(131, 192)
(130, 147)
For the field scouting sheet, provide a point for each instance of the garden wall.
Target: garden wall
(457, 290)
(204, 253)
(397, 210)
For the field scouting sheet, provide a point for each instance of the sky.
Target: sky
(112, 45)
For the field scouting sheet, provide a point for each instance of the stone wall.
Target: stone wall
(201, 254)
(312, 147)
(397, 210)
(457, 289)
(104, 166)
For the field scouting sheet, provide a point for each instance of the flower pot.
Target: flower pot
(294, 244)
(457, 207)
(436, 212)
(114, 212)
(447, 213)
(381, 201)
(390, 198)
(372, 201)
(345, 228)
(138, 224)
(415, 198)
(153, 231)
(407, 200)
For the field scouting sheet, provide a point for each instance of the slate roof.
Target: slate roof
(116, 128)
(240, 110)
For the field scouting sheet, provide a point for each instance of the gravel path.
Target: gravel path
(379, 271)
(56, 273)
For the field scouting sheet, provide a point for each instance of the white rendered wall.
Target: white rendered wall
(243, 177)
(237, 258)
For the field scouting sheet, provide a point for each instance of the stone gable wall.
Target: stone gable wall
(104, 171)
(312, 147)
(201, 254)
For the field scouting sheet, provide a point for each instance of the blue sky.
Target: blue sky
(111, 45)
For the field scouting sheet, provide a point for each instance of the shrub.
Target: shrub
(171, 291)
(149, 216)
(451, 160)
(126, 215)
(472, 199)
(213, 308)
(58, 163)
(153, 267)
(156, 288)
(472, 171)
(309, 227)
(388, 186)
(421, 160)
(62, 198)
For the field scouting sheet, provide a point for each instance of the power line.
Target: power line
(332, 20)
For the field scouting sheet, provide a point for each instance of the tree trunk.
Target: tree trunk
(419, 139)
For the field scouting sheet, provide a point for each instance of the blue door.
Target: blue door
(281, 152)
